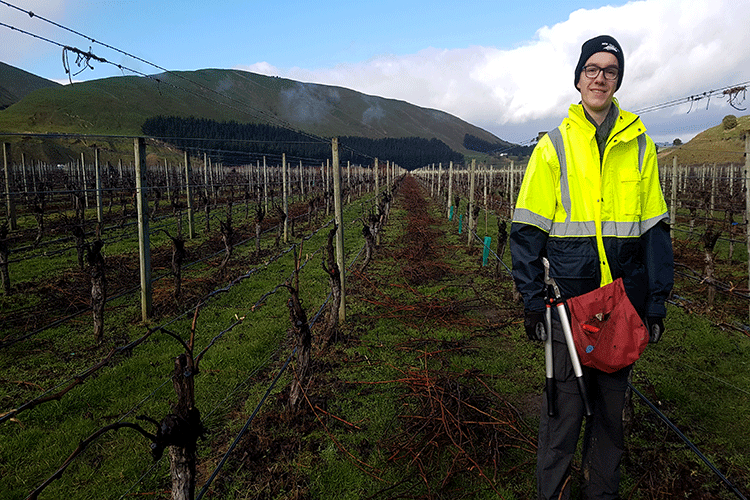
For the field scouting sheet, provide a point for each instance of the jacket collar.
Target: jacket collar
(628, 124)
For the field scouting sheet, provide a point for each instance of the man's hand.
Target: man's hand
(655, 329)
(535, 325)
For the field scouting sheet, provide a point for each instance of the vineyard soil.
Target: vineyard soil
(434, 391)
(430, 391)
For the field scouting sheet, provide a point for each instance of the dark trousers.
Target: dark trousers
(603, 439)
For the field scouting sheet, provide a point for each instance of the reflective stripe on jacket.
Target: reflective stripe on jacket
(595, 218)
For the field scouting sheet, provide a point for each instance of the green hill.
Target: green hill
(16, 83)
(120, 105)
(718, 144)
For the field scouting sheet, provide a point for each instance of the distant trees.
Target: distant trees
(729, 122)
(407, 152)
(495, 148)
(233, 143)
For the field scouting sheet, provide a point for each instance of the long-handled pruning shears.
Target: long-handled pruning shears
(554, 298)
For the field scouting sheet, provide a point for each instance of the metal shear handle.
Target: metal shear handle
(565, 321)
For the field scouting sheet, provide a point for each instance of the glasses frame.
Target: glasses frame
(603, 71)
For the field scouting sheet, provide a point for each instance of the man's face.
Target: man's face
(596, 93)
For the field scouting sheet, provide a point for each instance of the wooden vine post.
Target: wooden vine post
(189, 196)
(178, 255)
(144, 246)
(470, 225)
(673, 198)
(747, 201)
(98, 287)
(9, 202)
(339, 220)
(502, 238)
(450, 188)
(265, 184)
(348, 182)
(167, 181)
(99, 200)
(376, 173)
(84, 181)
(334, 279)
(182, 449)
(440, 178)
(285, 195)
(4, 253)
(301, 178)
(327, 180)
(303, 336)
(709, 238)
(369, 228)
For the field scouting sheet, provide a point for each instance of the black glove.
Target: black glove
(535, 325)
(655, 329)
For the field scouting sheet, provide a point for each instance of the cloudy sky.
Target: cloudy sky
(504, 66)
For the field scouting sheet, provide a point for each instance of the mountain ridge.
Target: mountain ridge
(16, 83)
(231, 95)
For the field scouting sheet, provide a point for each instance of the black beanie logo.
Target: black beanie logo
(602, 43)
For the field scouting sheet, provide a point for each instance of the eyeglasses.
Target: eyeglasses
(610, 72)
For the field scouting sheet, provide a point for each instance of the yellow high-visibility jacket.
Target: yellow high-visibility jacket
(595, 218)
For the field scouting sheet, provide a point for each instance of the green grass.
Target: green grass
(139, 380)
(698, 375)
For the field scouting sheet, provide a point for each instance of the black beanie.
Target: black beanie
(602, 43)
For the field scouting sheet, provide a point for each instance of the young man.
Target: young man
(592, 204)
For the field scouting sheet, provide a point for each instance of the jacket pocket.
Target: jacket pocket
(574, 265)
(630, 192)
(572, 258)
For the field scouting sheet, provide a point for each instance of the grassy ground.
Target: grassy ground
(431, 390)
(434, 391)
(696, 376)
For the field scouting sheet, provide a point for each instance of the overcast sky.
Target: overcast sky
(506, 68)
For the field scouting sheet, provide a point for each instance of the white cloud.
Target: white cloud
(672, 50)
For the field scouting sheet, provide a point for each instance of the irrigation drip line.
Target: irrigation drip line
(245, 427)
(311, 323)
(268, 390)
(252, 374)
(107, 241)
(154, 280)
(213, 341)
(67, 318)
(141, 339)
(719, 286)
(717, 379)
(131, 234)
(706, 221)
(140, 479)
(689, 443)
(143, 401)
(497, 257)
